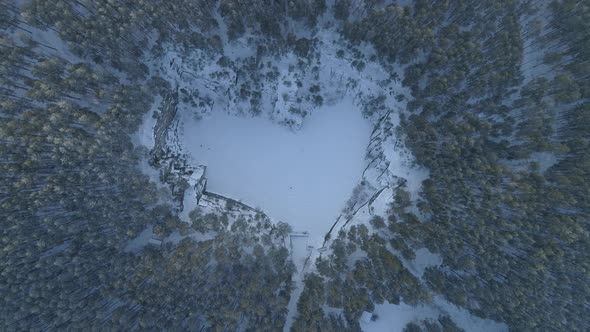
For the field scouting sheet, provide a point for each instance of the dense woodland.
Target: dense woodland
(513, 234)
(72, 195)
(497, 88)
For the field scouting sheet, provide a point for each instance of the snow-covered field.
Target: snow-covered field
(300, 177)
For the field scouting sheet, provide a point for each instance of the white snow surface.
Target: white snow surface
(393, 318)
(424, 259)
(300, 177)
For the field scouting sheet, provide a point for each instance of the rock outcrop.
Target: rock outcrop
(175, 171)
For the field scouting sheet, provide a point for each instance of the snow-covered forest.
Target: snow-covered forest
(295, 165)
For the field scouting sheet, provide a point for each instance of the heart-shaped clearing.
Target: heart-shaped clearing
(303, 178)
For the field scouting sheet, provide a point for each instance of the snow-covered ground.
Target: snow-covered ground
(393, 318)
(300, 177)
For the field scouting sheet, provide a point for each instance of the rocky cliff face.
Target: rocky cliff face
(167, 113)
(174, 169)
(379, 179)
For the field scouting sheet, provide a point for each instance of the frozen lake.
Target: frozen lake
(303, 178)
